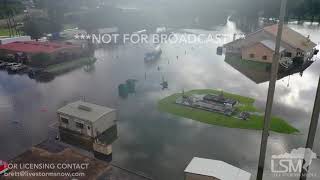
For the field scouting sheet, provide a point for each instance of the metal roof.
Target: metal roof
(108, 30)
(8, 40)
(217, 169)
(271, 45)
(85, 111)
(35, 47)
(291, 37)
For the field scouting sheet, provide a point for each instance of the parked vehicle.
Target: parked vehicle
(153, 55)
(8, 65)
(17, 68)
(3, 65)
(34, 72)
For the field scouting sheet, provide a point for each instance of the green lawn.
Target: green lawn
(69, 65)
(255, 122)
(248, 64)
(4, 32)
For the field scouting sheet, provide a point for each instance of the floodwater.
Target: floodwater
(157, 144)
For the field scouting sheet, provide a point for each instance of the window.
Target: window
(79, 125)
(251, 55)
(265, 57)
(300, 54)
(65, 120)
(288, 54)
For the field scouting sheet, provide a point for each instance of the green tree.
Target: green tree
(10, 7)
(37, 27)
(40, 59)
(55, 10)
(33, 29)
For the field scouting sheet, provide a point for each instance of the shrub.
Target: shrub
(41, 59)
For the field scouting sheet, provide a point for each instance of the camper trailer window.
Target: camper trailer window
(79, 125)
(288, 54)
(65, 120)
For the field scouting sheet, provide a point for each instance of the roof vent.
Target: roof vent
(85, 108)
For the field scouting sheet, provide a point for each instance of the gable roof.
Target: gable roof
(35, 47)
(217, 169)
(291, 37)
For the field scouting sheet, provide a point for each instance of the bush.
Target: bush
(41, 60)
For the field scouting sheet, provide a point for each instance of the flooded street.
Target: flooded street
(158, 144)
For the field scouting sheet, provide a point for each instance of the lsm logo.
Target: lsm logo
(291, 164)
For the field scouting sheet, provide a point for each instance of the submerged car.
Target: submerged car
(153, 55)
(8, 65)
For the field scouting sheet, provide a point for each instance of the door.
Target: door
(89, 130)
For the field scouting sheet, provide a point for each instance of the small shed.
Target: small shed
(8, 40)
(86, 118)
(208, 169)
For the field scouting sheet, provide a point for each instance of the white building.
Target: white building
(111, 30)
(86, 118)
(8, 40)
(207, 169)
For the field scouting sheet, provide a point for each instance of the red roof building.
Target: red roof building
(24, 51)
(33, 47)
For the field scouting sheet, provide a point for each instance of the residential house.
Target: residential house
(8, 40)
(260, 45)
(56, 51)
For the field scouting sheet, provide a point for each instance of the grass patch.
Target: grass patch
(255, 122)
(69, 65)
(4, 32)
(248, 64)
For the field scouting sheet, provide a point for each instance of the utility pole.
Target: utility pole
(272, 85)
(312, 129)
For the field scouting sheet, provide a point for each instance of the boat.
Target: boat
(34, 72)
(153, 55)
(164, 84)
